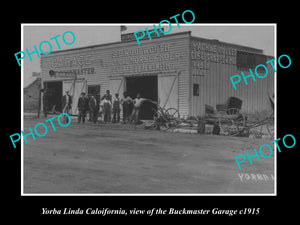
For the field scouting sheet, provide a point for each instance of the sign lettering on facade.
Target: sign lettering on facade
(72, 66)
(203, 53)
(71, 61)
(71, 73)
(145, 59)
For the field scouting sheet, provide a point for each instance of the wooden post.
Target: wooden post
(40, 105)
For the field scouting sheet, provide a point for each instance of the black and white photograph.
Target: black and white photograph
(148, 109)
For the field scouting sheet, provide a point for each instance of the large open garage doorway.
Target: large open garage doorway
(54, 95)
(147, 87)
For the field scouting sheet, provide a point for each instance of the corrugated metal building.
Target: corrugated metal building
(178, 70)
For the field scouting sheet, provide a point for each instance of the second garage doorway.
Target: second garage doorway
(147, 87)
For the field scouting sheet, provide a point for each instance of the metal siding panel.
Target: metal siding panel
(222, 85)
(198, 105)
(191, 97)
(213, 87)
(255, 94)
(194, 98)
(203, 94)
(216, 83)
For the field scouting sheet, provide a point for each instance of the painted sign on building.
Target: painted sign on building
(154, 58)
(204, 53)
(73, 66)
(71, 61)
(72, 73)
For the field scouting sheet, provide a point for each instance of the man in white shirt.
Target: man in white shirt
(66, 103)
(106, 109)
(137, 102)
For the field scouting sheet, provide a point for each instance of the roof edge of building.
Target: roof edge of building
(112, 43)
(216, 41)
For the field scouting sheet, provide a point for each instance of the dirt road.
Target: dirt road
(117, 158)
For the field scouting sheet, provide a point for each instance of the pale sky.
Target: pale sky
(256, 36)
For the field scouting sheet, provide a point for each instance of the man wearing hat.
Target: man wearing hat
(94, 108)
(82, 107)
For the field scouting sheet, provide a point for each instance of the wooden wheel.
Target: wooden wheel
(172, 113)
(230, 126)
(232, 111)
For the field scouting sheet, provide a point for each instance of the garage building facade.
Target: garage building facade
(177, 70)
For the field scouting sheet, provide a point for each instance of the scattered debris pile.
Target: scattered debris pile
(226, 119)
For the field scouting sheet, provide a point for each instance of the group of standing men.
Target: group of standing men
(106, 106)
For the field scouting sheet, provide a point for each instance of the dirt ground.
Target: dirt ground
(123, 159)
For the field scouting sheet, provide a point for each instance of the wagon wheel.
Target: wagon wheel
(172, 117)
(232, 111)
(172, 113)
(233, 126)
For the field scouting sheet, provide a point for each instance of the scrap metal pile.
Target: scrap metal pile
(226, 119)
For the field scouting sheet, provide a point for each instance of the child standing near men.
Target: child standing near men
(106, 104)
(116, 109)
